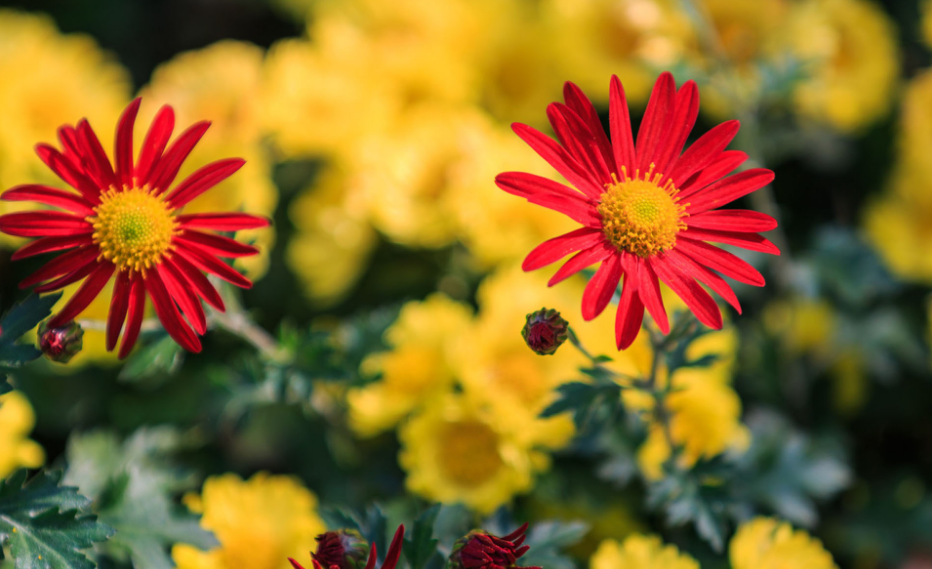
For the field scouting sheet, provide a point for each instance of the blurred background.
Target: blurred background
(387, 298)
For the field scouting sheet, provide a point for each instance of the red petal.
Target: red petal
(620, 123)
(574, 134)
(72, 149)
(654, 124)
(583, 259)
(174, 157)
(97, 159)
(630, 313)
(559, 158)
(692, 293)
(49, 244)
(601, 287)
(153, 146)
(222, 221)
(70, 278)
(168, 313)
(119, 303)
(750, 241)
(197, 279)
(394, 550)
(216, 244)
(43, 224)
(720, 260)
(123, 152)
(212, 265)
(744, 220)
(67, 171)
(295, 564)
(726, 163)
(550, 194)
(85, 294)
(681, 123)
(693, 269)
(555, 249)
(582, 106)
(49, 196)
(203, 179)
(702, 152)
(729, 189)
(65, 263)
(180, 290)
(134, 316)
(649, 291)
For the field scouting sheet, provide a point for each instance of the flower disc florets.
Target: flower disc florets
(133, 228)
(639, 215)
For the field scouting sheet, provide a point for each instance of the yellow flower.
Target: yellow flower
(913, 177)
(259, 523)
(16, 421)
(765, 543)
(803, 325)
(640, 552)
(927, 21)
(849, 49)
(333, 240)
(221, 83)
(415, 370)
(898, 225)
(456, 451)
(58, 79)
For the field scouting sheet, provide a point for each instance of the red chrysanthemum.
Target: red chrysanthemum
(647, 208)
(124, 220)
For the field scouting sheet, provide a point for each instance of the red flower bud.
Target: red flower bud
(336, 548)
(62, 343)
(545, 331)
(481, 550)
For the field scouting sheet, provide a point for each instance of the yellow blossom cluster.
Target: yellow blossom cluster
(16, 421)
(258, 523)
(761, 543)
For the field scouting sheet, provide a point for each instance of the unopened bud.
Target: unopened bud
(341, 549)
(482, 550)
(545, 331)
(62, 343)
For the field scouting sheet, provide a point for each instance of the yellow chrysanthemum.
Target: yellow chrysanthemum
(58, 79)
(457, 451)
(913, 176)
(766, 543)
(899, 228)
(16, 422)
(803, 325)
(640, 552)
(417, 369)
(259, 523)
(334, 237)
(926, 7)
(221, 83)
(849, 48)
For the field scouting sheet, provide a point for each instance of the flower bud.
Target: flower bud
(545, 331)
(62, 343)
(482, 550)
(341, 549)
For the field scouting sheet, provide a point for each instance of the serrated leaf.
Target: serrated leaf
(421, 545)
(22, 318)
(42, 524)
(548, 538)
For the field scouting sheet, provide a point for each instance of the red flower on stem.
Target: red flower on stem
(481, 550)
(327, 552)
(648, 209)
(124, 220)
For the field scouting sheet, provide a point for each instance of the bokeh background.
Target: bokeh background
(388, 286)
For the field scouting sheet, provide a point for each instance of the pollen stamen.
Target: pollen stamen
(133, 228)
(639, 215)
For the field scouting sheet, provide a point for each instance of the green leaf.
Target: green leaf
(546, 539)
(592, 404)
(20, 319)
(157, 360)
(132, 484)
(42, 523)
(421, 545)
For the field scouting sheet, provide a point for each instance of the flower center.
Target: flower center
(133, 229)
(469, 453)
(639, 215)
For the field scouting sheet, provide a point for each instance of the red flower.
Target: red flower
(647, 208)
(391, 558)
(124, 220)
(481, 550)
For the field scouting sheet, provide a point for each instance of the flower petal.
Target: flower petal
(601, 287)
(70, 278)
(170, 163)
(212, 265)
(750, 241)
(119, 303)
(197, 279)
(49, 244)
(649, 291)
(680, 124)
(704, 151)
(96, 158)
(582, 106)
(553, 250)
(123, 153)
(168, 314)
(726, 163)
(720, 260)
(153, 146)
(630, 314)
(581, 260)
(659, 110)
(202, 180)
(68, 172)
(222, 221)
(216, 244)
(559, 158)
(65, 263)
(575, 136)
(49, 196)
(134, 316)
(693, 269)
(729, 189)
(43, 224)
(85, 294)
(696, 298)
(550, 194)
(744, 220)
(620, 125)
(180, 291)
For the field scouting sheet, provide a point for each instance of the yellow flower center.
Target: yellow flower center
(468, 453)
(133, 229)
(639, 215)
